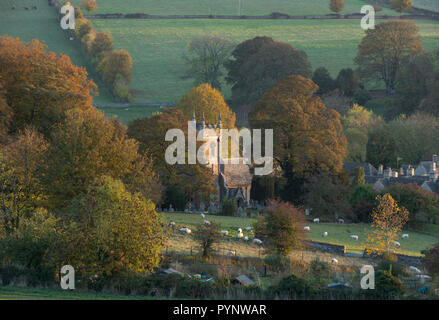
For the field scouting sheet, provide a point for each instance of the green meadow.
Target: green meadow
(226, 7)
(158, 46)
(337, 233)
(432, 5)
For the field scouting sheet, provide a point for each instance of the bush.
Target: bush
(207, 236)
(320, 270)
(361, 96)
(277, 263)
(229, 208)
(387, 285)
(291, 287)
(394, 268)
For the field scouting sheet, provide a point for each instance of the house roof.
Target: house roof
(236, 174)
(369, 170)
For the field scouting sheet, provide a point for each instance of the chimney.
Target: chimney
(380, 170)
(410, 171)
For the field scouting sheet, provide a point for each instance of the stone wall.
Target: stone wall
(326, 247)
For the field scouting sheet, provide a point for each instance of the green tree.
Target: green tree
(206, 57)
(281, 228)
(359, 178)
(385, 48)
(381, 147)
(431, 261)
(322, 78)
(362, 201)
(347, 81)
(207, 235)
(101, 45)
(258, 64)
(113, 231)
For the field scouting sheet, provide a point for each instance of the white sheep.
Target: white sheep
(207, 223)
(414, 269)
(396, 244)
(224, 232)
(257, 241)
(333, 260)
(185, 230)
(245, 238)
(307, 228)
(324, 234)
(239, 230)
(231, 253)
(248, 229)
(340, 220)
(240, 235)
(202, 215)
(405, 236)
(316, 220)
(354, 237)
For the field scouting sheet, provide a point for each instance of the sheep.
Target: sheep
(186, 230)
(34, 7)
(340, 220)
(354, 237)
(207, 223)
(396, 244)
(257, 241)
(245, 238)
(231, 253)
(307, 228)
(324, 234)
(333, 260)
(202, 216)
(316, 220)
(405, 236)
(240, 235)
(224, 232)
(14, 7)
(248, 229)
(239, 230)
(414, 269)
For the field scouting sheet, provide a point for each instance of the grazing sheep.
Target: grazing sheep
(239, 230)
(324, 234)
(414, 269)
(257, 241)
(224, 232)
(307, 228)
(333, 260)
(341, 221)
(396, 244)
(231, 253)
(207, 223)
(354, 236)
(186, 230)
(405, 236)
(240, 235)
(202, 216)
(316, 220)
(248, 229)
(245, 238)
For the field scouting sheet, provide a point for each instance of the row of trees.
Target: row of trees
(114, 66)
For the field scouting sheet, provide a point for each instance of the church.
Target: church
(233, 175)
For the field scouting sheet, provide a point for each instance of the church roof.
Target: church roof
(236, 174)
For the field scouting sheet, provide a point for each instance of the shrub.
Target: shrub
(291, 287)
(361, 96)
(393, 267)
(278, 263)
(207, 236)
(229, 207)
(320, 270)
(387, 285)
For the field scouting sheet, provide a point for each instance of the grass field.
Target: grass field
(43, 24)
(226, 7)
(157, 46)
(337, 233)
(125, 115)
(432, 5)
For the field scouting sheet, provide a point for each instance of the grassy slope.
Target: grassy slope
(125, 115)
(432, 5)
(226, 7)
(42, 24)
(157, 46)
(337, 234)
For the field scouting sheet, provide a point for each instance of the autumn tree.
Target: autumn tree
(86, 146)
(82, 27)
(207, 235)
(336, 5)
(381, 147)
(89, 5)
(6, 115)
(207, 101)
(113, 231)
(307, 135)
(401, 5)
(101, 45)
(258, 64)
(430, 104)
(206, 57)
(388, 219)
(195, 181)
(383, 50)
(281, 228)
(431, 261)
(41, 86)
(22, 167)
